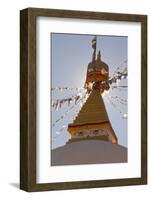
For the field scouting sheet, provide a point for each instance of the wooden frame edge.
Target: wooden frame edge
(27, 100)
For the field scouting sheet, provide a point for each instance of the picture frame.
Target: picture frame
(28, 98)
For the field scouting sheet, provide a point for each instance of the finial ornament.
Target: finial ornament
(99, 55)
(94, 40)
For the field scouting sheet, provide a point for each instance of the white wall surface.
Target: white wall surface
(9, 98)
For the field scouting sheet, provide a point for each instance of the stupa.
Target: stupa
(92, 121)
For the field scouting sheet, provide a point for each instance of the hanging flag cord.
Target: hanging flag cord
(57, 103)
(119, 76)
(67, 111)
(58, 133)
(124, 115)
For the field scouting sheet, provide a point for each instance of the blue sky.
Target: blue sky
(70, 55)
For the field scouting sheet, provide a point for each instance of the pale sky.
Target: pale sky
(70, 55)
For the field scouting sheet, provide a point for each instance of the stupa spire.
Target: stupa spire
(94, 42)
(92, 121)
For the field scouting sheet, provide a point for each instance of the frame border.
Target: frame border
(28, 98)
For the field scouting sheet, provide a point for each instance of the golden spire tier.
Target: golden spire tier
(92, 122)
